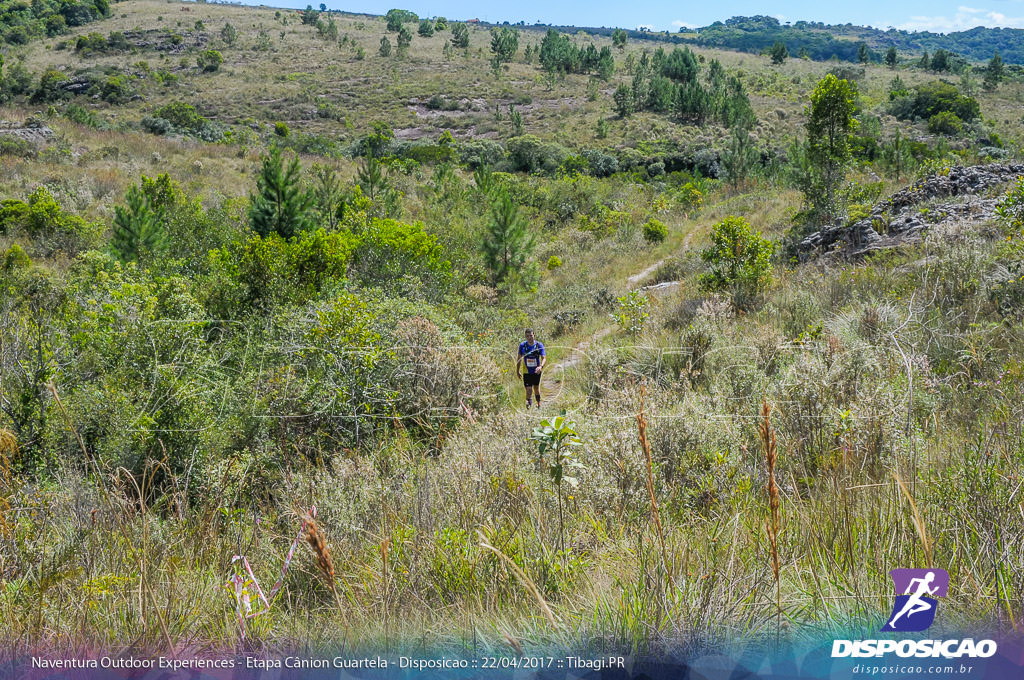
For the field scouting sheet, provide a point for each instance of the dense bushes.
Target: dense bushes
(182, 118)
(527, 153)
(209, 60)
(261, 273)
(21, 21)
(931, 99)
(49, 226)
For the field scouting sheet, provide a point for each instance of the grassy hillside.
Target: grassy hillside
(191, 363)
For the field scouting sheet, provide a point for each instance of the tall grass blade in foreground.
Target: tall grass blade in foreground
(768, 445)
(641, 423)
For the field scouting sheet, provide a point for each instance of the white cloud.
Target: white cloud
(965, 18)
(649, 27)
(679, 23)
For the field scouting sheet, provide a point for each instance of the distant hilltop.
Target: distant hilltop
(821, 42)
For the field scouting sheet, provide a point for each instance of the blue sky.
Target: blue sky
(941, 15)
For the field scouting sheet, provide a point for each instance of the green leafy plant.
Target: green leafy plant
(830, 123)
(209, 60)
(655, 231)
(738, 258)
(633, 314)
(557, 441)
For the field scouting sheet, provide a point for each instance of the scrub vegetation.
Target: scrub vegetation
(264, 273)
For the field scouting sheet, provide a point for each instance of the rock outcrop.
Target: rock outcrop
(898, 220)
(32, 131)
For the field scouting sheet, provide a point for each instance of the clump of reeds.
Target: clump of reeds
(771, 454)
(315, 539)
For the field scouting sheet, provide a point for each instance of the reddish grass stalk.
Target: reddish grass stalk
(316, 541)
(768, 444)
(641, 423)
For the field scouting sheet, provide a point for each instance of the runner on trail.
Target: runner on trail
(532, 356)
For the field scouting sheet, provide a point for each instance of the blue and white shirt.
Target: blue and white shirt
(531, 355)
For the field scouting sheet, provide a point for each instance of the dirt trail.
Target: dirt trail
(579, 350)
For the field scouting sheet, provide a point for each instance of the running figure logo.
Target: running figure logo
(914, 610)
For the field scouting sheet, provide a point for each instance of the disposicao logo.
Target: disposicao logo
(913, 611)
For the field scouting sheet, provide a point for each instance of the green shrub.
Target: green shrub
(527, 153)
(16, 147)
(933, 98)
(82, 116)
(181, 115)
(156, 125)
(738, 259)
(281, 129)
(15, 258)
(113, 89)
(51, 86)
(391, 252)
(261, 273)
(633, 313)
(43, 220)
(945, 123)
(90, 43)
(16, 36)
(554, 262)
(209, 60)
(655, 231)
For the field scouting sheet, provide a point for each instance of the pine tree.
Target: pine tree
(623, 100)
(138, 228)
(830, 123)
(994, 72)
(619, 38)
(460, 36)
(741, 156)
(891, 57)
(370, 178)
(507, 242)
(779, 53)
(280, 204)
(863, 55)
(504, 44)
(229, 34)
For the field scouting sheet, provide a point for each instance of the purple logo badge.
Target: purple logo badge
(914, 609)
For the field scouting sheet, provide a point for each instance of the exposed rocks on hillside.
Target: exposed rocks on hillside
(166, 41)
(33, 131)
(898, 220)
